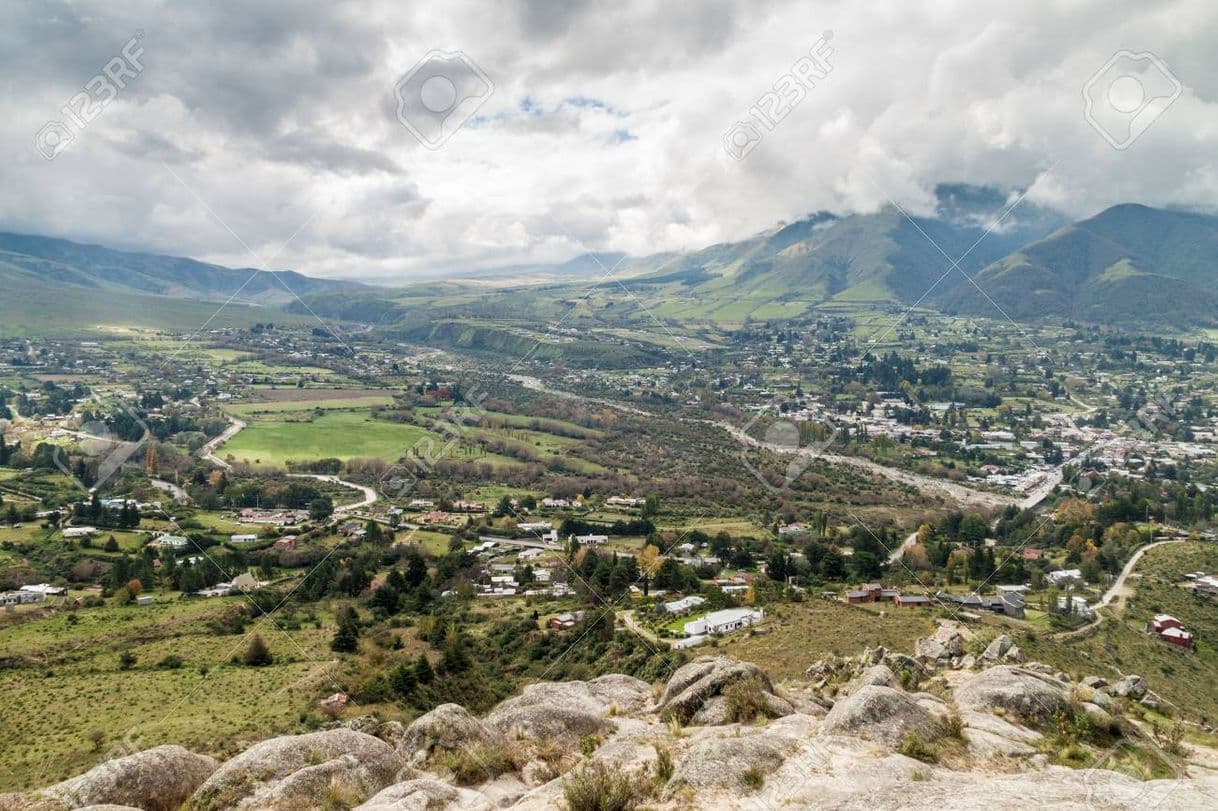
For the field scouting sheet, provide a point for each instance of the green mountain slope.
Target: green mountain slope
(1129, 264)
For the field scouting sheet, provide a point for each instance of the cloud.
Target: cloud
(259, 124)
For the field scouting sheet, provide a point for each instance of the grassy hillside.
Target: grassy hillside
(1128, 265)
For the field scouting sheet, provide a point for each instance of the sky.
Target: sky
(305, 135)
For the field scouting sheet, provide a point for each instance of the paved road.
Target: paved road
(169, 487)
(1116, 592)
(208, 451)
(370, 494)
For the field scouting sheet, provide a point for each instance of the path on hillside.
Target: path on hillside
(169, 487)
(370, 494)
(1116, 592)
(628, 619)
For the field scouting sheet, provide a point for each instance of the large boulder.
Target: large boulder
(695, 691)
(156, 779)
(881, 714)
(1133, 686)
(341, 766)
(1031, 696)
(448, 727)
(723, 762)
(998, 648)
(565, 712)
(424, 795)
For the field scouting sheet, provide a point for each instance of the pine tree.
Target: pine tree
(257, 654)
(346, 638)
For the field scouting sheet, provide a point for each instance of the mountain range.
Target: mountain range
(974, 254)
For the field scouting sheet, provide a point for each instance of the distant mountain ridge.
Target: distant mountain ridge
(31, 262)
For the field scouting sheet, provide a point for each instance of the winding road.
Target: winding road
(370, 494)
(208, 451)
(1116, 592)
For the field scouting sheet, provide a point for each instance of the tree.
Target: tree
(346, 638)
(257, 654)
(423, 672)
(321, 508)
(649, 563)
(973, 529)
(651, 505)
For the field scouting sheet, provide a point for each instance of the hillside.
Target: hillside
(881, 730)
(1129, 264)
(56, 285)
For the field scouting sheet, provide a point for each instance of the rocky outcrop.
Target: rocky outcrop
(1132, 686)
(448, 727)
(881, 714)
(341, 765)
(1029, 695)
(156, 779)
(565, 712)
(423, 795)
(695, 691)
(722, 762)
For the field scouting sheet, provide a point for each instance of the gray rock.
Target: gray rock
(159, 778)
(425, 795)
(1151, 700)
(697, 682)
(1099, 717)
(882, 714)
(722, 762)
(877, 675)
(1094, 682)
(1132, 686)
(448, 727)
(289, 771)
(998, 648)
(1013, 654)
(1030, 695)
(565, 712)
(968, 662)
(899, 661)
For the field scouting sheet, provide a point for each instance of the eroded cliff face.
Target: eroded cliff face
(938, 729)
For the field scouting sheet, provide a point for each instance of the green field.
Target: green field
(340, 434)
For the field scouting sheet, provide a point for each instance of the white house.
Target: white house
(45, 589)
(79, 532)
(171, 542)
(685, 604)
(535, 526)
(725, 621)
(1077, 606)
(592, 540)
(243, 538)
(1060, 577)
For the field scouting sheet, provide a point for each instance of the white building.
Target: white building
(1061, 577)
(592, 540)
(45, 589)
(725, 621)
(535, 526)
(79, 532)
(243, 538)
(685, 604)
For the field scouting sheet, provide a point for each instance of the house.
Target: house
(1178, 637)
(1162, 622)
(45, 590)
(79, 532)
(792, 529)
(1206, 586)
(422, 504)
(1075, 605)
(563, 622)
(286, 542)
(912, 600)
(685, 604)
(243, 538)
(469, 507)
(725, 621)
(591, 540)
(624, 501)
(535, 526)
(171, 542)
(1061, 577)
(12, 598)
(1032, 554)
(144, 599)
(1012, 604)
(871, 593)
(556, 503)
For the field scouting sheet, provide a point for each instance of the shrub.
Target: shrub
(953, 726)
(257, 654)
(126, 660)
(170, 662)
(588, 744)
(746, 700)
(594, 787)
(752, 778)
(913, 746)
(664, 765)
(480, 762)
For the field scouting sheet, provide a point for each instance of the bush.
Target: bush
(126, 660)
(257, 654)
(479, 763)
(745, 700)
(170, 662)
(595, 788)
(913, 746)
(664, 765)
(753, 778)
